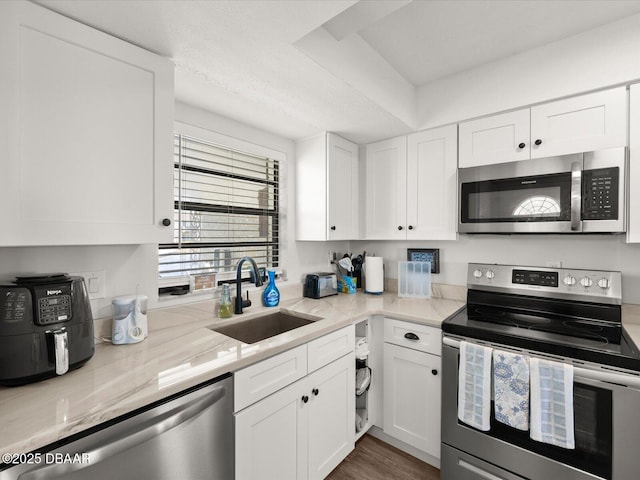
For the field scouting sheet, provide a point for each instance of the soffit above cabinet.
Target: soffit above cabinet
(299, 68)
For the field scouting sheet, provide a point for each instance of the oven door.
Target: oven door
(531, 196)
(604, 419)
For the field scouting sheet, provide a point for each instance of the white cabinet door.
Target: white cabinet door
(432, 157)
(342, 189)
(271, 436)
(412, 397)
(302, 431)
(580, 124)
(496, 139)
(386, 177)
(331, 415)
(633, 230)
(86, 123)
(327, 189)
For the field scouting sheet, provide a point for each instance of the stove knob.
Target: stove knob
(477, 273)
(490, 274)
(586, 282)
(569, 280)
(604, 283)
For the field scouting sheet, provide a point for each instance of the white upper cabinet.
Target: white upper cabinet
(496, 139)
(579, 124)
(86, 124)
(411, 186)
(633, 229)
(386, 177)
(327, 189)
(432, 157)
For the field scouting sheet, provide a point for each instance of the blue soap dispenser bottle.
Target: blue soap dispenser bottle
(271, 294)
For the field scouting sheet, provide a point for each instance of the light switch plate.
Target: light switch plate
(94, 281)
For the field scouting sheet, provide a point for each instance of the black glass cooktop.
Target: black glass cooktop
(591, 333)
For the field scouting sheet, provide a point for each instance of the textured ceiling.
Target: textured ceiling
(298, 67)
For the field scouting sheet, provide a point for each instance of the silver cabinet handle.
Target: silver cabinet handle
(576, 196)
(152, 428)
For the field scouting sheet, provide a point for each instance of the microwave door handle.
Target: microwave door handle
(576, 196)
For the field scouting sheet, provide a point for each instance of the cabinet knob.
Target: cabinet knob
(305, 398)
(315, 391)
(333, 227)
(410, 227)
(538, 142)
(411, 336)
(521, 145)
(434, 372)
(399, 227)
(166, 222)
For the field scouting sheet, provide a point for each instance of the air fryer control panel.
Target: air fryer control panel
(52, 303)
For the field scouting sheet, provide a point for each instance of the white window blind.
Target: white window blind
(226, 207)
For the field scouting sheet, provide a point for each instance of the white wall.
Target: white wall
(599, 252)
(131, 268)
(605, 56)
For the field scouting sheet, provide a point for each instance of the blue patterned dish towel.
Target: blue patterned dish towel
(552, 403)
(474, 385)
(511, 389)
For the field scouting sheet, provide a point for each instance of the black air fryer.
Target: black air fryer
(46, 328)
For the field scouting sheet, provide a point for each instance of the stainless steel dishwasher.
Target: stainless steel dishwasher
(186, 436)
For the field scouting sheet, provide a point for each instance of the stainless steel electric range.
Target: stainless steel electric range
(569, 316)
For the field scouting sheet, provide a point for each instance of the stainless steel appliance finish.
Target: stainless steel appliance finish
(567, 315)
(577, 193)
(319, 285)
(189, 435)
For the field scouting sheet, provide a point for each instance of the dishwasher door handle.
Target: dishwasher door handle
(149, 429)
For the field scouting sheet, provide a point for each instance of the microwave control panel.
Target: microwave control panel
(600, 194)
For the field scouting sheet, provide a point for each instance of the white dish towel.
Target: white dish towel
(474, 385)
(552, 403)
(511, 389)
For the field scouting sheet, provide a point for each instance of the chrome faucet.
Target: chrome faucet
(239, 303)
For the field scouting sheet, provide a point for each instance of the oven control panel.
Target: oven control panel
(587, 285)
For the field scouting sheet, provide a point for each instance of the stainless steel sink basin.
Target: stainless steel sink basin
(264, 326)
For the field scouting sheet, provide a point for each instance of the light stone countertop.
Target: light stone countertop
(180, 352)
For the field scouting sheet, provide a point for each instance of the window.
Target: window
(226, 207)
(538, 206)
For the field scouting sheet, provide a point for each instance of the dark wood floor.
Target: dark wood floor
(374, 459)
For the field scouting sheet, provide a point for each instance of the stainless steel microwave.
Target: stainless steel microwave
(577, 193)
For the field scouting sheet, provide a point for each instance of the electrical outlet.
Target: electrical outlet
(94, 281)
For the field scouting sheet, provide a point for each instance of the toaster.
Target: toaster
(318, 285)
(46, 328)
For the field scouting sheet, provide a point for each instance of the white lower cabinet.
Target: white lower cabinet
(331, 416)
(304, 430)
(412, 389)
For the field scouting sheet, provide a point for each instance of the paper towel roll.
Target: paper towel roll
(374, 275)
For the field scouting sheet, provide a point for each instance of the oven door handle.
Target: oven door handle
(576, 196)
(579, 372)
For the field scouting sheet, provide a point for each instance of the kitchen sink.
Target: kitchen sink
(264, 326)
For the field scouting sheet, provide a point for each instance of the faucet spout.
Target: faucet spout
(239, 302)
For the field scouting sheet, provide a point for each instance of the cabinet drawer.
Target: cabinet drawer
(412, 335)
(257, 381)
(325, 350)
(462, 466)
